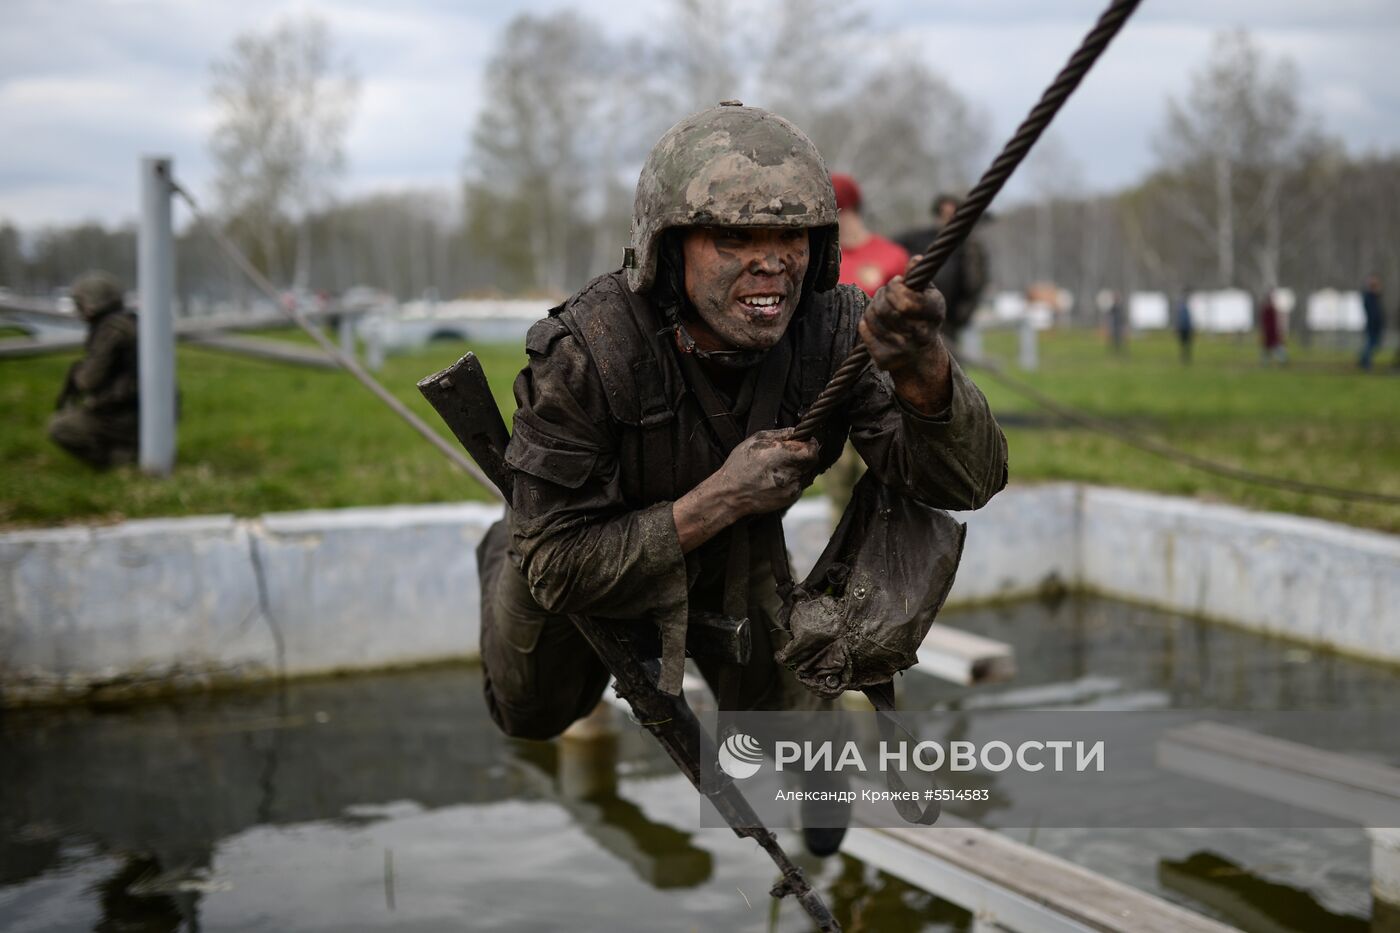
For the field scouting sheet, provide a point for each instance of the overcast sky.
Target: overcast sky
(87, 86)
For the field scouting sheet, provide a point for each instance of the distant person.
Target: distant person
(96, 420)
(1271, 331)
(1375, 320)
(963, 276)
(867, 259)
(1117, 324)
(1185, 326)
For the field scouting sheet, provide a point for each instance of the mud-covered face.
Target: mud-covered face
(744, 282)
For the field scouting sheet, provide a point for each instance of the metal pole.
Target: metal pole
(346, 326)
(970, 341)
(155, 276)
(1029, 356)
(374, 344)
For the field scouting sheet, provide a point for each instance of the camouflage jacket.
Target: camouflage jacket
(609, 432)
(105, 378)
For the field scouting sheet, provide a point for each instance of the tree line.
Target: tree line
(1247, 189)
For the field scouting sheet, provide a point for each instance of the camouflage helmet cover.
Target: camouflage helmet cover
(96, 291)
(731, 166)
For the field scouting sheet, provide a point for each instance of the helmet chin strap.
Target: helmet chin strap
(729, 359)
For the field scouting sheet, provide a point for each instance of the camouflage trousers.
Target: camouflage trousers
(99, 438)
(541, 674)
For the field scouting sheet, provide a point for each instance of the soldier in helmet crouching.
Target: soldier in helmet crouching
(97, 410)
(651, 448)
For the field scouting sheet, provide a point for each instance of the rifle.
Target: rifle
(461, 395)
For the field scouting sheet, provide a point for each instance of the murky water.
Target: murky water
(390, 802)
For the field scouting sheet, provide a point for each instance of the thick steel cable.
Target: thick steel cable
(975, 204)
(347, 362)
(1166, 451)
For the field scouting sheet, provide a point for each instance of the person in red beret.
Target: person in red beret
(867, 259)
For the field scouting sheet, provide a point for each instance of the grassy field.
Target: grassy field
(258, 437)
(1317, 419)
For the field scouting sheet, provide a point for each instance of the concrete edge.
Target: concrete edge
(190, 602)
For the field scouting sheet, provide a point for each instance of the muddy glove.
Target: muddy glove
(768, 471)
(900, 326)
(900, 329)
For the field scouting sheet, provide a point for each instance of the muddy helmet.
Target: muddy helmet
(96, 291)
(731, 166)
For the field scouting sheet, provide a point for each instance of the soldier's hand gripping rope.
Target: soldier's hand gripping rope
(977, 201)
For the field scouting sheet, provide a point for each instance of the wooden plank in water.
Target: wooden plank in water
(965, 658)
(1359, 791)
(1014, 886)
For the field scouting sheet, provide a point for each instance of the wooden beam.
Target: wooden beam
(965, 658)
(1015, 886)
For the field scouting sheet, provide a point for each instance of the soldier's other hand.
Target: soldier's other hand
(768, 471)
(900, 326)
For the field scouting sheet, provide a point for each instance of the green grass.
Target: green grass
(1317, 419)
(253, 437)
(258, 437)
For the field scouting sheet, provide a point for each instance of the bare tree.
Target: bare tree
(704, 52)
(1225, 152)
(544, 145)
(889, 119)
(905, 134)
(13, 274)
(285, 103)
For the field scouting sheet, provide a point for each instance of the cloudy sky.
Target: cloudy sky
(87, 86)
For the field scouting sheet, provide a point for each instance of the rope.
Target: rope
(1166, 451)
(970, 211)
(348, 363)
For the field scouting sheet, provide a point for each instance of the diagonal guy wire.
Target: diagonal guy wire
(347, 362)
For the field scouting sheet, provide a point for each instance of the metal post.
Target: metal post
(1029, 356)
(970, 341)
(374, 344)
(155, 276)
(345, 324)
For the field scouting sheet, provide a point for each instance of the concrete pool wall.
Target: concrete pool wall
(148, 603)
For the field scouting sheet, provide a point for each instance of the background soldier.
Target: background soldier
(96, 420)
(962, 277)
(651, 447)
(867, 259)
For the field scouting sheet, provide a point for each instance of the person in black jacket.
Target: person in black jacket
(963, 276)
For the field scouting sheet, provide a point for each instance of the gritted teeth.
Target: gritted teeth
(761, 301)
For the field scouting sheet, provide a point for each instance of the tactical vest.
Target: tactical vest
(632, 349)
(669, 438)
